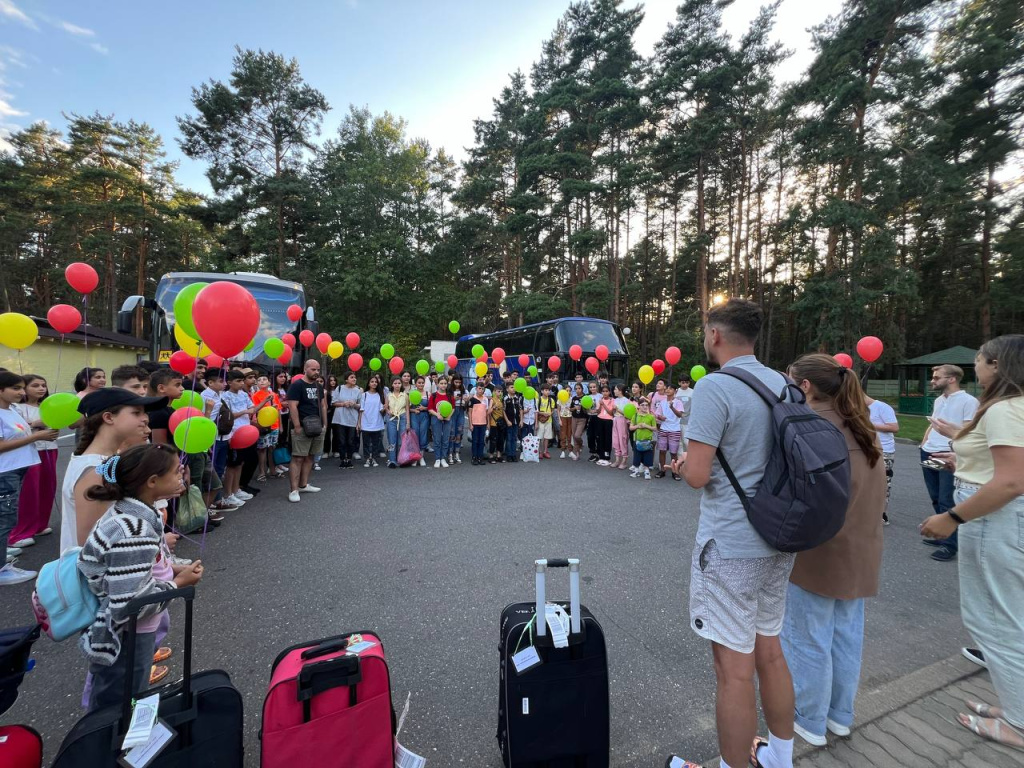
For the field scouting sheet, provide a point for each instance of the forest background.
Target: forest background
(882, 193)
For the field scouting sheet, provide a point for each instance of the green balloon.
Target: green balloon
(195, 435)
(60, 410)
(387, 351)
(478, 350)
(189, 398)
(587, 402)
(530, 393)
(445, 409)
(439, 366)
(532, 370)
(250, 345)
(273, 348)
(183, 307)
(454, 326)
(375, 363)
(415, 397)
(698, 372)
(520, 385)
(629, 411)
(422, 367)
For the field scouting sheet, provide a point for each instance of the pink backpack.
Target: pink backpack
(409, 452)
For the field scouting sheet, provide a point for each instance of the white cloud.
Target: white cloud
(11, 11)
(74, 29)
(99, 48)
(6, 110)
(13, 56)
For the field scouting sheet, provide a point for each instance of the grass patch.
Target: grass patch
(912, 427)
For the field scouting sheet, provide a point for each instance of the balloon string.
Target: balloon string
(60, 349)
(21, 369)
(85, 335)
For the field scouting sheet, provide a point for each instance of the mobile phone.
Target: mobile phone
(933, 464)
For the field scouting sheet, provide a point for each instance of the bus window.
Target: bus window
(589, 334)
(545, 343)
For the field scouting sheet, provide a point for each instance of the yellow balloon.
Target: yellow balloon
(190, 345)
(335, 349)
(481, 369)
(646, 374)
(17, 331)
(563, 396)
(267, 417)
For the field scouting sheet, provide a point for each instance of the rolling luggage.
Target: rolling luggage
(329, 705)
(20, 747)
(553, 713)
(204, 710)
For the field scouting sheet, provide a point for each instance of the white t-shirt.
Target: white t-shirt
(620, 403)
(672, 422)
(529, 412)
(12, 427)
(958, 409)
(684, 396)
(373, 419)
(237, 401)
(77, 467)
(882, 413)
(31, 413)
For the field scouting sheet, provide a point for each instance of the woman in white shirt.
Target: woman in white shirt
(989, 511)
(40, 485)
(884, 418)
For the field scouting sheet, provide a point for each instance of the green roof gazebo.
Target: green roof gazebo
(915, 395)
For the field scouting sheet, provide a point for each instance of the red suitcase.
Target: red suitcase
(329, 707)
(20, 747)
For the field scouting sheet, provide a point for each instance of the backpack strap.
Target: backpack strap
(733, 481)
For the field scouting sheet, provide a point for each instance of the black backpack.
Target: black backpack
(801, 501)
(225, 421)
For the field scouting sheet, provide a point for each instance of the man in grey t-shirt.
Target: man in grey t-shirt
(737, 580)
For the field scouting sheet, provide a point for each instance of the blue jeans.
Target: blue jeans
(940, 489)
(108, 682)
(823, 639)
(10, 490)
(458, 428)
(511, 436)
(221, 449)
(373, 444)
(441, 429)
(420, 425)
(479, 438)
(395, 429)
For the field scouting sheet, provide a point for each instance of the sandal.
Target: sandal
(261, 479)
(758, 744)
(992, 728)
(156, 674)
(163, 653)
(675, 761)
(986, 711)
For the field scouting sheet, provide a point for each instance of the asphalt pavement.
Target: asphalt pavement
(427, 558)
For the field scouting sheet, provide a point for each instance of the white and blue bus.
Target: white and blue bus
(552, 337)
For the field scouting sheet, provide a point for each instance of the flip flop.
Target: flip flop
(975, 724)
(675, 761)
(156, 674)
(163, 653)
(758, 743)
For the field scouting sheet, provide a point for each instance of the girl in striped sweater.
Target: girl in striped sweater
(126, 557)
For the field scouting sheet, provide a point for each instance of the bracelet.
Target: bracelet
(959, 520)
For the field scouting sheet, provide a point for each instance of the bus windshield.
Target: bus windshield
(589, 335)
(273, 301)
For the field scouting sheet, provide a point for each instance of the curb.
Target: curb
(907, 441)
(895, 695)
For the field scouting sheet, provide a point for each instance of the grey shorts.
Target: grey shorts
(734, 600)
(306, 446)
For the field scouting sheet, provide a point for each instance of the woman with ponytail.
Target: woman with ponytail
(125, 557)
(823, 632)
(989, 512)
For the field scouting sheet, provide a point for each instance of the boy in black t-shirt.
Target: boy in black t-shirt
(513, 420)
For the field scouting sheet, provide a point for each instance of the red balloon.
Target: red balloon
(296, 377)
(322, 340)
(294, 313)
(673, 355)
(601, 352)
(213, 361)
(870, 348)
(306, 338)
(658, 366)
(180, 415)
(226, 316)
(498, 354)
(355, 361)
(182, 362)
(524, 361)
(453, 361)
(286, 356)
(576, 352)
(396, 364)
(592, 365)
(352, 340)
(289, 340)
(482, 358)
(64, 318)
(82, 277)
(554, 363)
(244, 437)
(844, 360)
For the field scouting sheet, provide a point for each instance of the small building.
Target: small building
(59, 360)
(916, 396)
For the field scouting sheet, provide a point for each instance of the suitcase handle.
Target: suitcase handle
(573, 564)
(325, 648)
(342, 672)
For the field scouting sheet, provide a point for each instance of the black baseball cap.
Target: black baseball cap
(111, 397)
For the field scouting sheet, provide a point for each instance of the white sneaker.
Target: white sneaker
(573, 456)
(458, 459)
(45, 531)
(357, 456)
(307, 488)
(647, 474)
(437, 464)
(810, 738)
(444, 464)
(293, 496)
(603, 463)
(562, 456)
(243, 495)
(13, 551)
(23, 543)
(10, 574)
(316, 467)
(375, 461)
(233, 500)
(367, 464)
(836, 728)
(423, 463)
(381, 455)
(634, 472)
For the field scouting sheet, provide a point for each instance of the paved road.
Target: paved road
(428, 559)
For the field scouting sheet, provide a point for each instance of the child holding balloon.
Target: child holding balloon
(441, 407)
(620, 428)
(419, 421)
(269, 423)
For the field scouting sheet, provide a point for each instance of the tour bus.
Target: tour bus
(553, 337)
(273, 295)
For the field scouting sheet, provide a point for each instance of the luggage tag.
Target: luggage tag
(142, 755)
(528, 658)
(558, 623)
(144, 715)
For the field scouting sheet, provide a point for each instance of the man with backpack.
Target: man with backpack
(738, 580)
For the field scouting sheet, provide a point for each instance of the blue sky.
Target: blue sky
(438, 64)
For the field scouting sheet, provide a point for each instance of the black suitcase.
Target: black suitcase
(204, 709)
(555, 714)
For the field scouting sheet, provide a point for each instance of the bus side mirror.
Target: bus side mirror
(124, 321)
